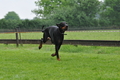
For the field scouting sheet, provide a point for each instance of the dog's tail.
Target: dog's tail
(42, 28)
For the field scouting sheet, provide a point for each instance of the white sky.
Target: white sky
(21, 7)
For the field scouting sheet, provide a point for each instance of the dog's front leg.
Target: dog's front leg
(57, 47)
(56, 52)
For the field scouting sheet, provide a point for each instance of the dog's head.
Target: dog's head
(63, 26)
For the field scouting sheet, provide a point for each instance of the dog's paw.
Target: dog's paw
(58, 59)
(39, 47)
(53, 55)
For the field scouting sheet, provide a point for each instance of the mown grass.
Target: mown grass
(93, 35)
(77, 63)
(70, 35)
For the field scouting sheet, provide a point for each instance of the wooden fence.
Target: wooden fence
(72, 42)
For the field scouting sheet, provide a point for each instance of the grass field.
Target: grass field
(70, 35)
(77, 63)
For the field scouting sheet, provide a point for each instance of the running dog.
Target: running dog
(56, 35)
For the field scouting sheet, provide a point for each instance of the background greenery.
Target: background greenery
(77, 13)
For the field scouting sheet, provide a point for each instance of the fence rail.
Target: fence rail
(72, 42)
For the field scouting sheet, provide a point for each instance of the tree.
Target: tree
(75, 12)
(111, 12)
(12, 16)
(9, 24)
(46, 7)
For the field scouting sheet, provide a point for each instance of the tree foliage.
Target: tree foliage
(77, 13)
(46, 7)
(12, 16)
(111, 12)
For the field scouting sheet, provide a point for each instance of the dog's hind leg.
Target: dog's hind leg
(44, 39)
(41, 41)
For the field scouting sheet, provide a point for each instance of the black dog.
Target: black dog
(56, 34)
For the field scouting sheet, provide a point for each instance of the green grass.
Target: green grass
(70, 35)
(93, 35)
(77, 63)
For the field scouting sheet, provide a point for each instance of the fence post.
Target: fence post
(20, 41)
(17, 40)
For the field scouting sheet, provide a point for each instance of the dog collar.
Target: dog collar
(63, 34)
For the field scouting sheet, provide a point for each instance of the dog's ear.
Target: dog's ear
(58, 25)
